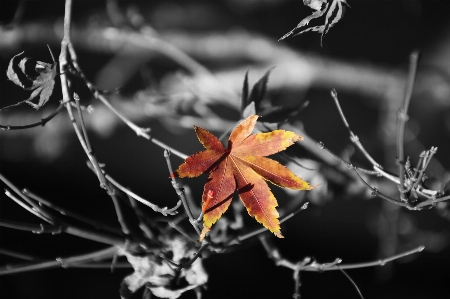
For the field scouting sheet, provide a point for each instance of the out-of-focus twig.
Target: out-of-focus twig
(402, 118)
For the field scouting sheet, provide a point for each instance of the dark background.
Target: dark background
(381, 33)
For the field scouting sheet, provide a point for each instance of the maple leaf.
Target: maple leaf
(242, 167)
(32, 75)
(336, 8)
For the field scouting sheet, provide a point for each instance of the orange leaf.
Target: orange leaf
(244, 168)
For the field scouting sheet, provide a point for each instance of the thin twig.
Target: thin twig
(34, 228)
(353, 137)
(176, 227)
(84, 140)
(274, 254)
(64, 66)
(69, 213)
(165, 211)
(48, 217)
(36, 124)
(402, 119)
(141, 218)
(70, 229)
(124, 265)
(263, 229)
(119, 214)
(88, 151)
(61, 262)
(351, 280)
(203, 247)
(381, 262)
(83, 127)
(180, 194)
(97, 94)
(26, 207)
(375, 191)
(432, 202)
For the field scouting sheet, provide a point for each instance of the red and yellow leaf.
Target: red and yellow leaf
(244, 168)
(222, 183)
(256, 197)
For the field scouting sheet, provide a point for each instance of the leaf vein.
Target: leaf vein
(254, 195)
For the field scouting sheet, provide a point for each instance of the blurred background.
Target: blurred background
(182, 63)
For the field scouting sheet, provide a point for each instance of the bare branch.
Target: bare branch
(165, 211)
(353, 137)
(239, 239)
(142, 218)
(37, 210)
(351, 280)
(61, 262)
(66, 212)
(70, 229)
(26, 207)
(33, 125)
(119, 214)
(318, 267)
(375, 191)
(34, 228)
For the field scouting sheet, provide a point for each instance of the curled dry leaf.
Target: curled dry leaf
(336, 8)
(242, 167)
(32, 75)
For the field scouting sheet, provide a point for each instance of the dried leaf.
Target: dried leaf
(244, 168)
(159, 276)
(317, 5)
(32, 75)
